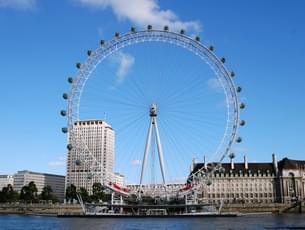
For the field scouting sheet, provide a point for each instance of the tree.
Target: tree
(3, 195)
(71, 193)
(8, 194)
(84, 194)
(28, 192)
(97, 192)
(24, 193)
(12, 195)
(33, 189)
(47, 194)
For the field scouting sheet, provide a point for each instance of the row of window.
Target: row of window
(238, 195)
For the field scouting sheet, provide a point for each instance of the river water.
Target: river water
(254, 222)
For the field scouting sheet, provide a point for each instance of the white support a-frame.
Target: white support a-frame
(153, 127)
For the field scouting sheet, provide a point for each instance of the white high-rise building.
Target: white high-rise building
(99, 138)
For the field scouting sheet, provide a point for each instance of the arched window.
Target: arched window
(291, 185)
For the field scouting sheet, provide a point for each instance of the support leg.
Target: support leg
(160, 150)
(147, 147)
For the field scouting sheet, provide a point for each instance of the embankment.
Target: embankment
(54, 209)
(43, 209)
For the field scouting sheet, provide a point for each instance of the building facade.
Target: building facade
(277, 181)
(57, 182)
(99, 139)
(5, 180)
(291, 180)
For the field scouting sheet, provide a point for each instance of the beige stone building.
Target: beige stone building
(277, 181)
(291, 180)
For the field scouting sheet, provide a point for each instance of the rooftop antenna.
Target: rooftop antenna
(105, 116)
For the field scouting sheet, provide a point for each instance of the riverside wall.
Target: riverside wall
(75, 209)
(43, 209)
(273, 207)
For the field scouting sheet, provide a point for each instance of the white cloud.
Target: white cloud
(179, 180)
(60, 162)
(18, 4)
(144, 12)
(125, 62)
(215, 84)
(240, 149)
(136, 162)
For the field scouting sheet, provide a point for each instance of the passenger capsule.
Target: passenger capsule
(182, 31)
(78, 65)
(242, 123)
(89, 176)
(78, 162)
(238, 89)
(211, 48)
(149, 27)
(223, 60)
(222, 170)
(102, 42)
(197, 38)
(64, 130)
(209, 183)
(166, 28)
(242, 105)
(65, 96)
(132, 29)
(232, 74)
(117, 34)
(232, 155)
(70, 80)
(89, 52)
(69, 147)
(63, 113)
(238, 139)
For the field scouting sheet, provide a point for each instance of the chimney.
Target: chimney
(246, 162)
(232, 156)
(232, 163)
(193, 165)
(205, 162)
(275, 163)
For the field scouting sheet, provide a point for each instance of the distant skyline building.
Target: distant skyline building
(118, 179)
(5, 180)
(99, 137)
(57, 182)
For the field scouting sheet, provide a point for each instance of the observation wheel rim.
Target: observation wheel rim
(178, 39)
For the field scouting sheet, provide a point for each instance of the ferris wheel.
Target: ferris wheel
(180, 99)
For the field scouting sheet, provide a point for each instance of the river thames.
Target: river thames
(254, 222)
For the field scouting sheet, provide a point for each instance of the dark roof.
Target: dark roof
(38, 173)
(253, 167)
(286, 163)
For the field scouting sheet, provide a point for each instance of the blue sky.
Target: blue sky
(263, 42)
